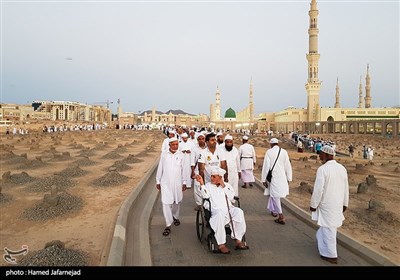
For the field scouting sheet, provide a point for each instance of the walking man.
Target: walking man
(276, 159)
(170, 180)
(247, 156)
(231, 155)
(329, 200)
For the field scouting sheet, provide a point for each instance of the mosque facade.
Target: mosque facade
(316, 119)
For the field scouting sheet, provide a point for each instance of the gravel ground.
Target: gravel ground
(112, 178)
(55, 255)
(67, 203)
(44, 185)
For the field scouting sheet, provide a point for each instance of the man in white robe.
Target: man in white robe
(194, 158)
(231, 154)
(211, 157)
(186, 148)
(281, 176)
(247, 156)
(223, 212)
(171, 182)
(165, 144)
(329, 200)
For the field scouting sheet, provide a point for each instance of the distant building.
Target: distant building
(55, 111)
(156, 118)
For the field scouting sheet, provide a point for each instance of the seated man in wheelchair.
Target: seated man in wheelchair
(223, 212)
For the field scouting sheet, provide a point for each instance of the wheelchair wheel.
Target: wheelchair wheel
(200, 224)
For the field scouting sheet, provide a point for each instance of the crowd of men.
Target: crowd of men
(208, 162)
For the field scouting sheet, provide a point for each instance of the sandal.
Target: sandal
(241, 246)
(223, 250)
(282, 222)
(274, 214)
(177, 222)
(166, 231)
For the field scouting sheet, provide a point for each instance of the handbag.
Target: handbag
(269, 175)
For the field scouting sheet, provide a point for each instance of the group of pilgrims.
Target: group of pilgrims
(208, 162)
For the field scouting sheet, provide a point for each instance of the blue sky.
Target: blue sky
(172, 55)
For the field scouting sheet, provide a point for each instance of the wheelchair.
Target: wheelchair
(204, 230)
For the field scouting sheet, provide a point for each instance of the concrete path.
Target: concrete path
(271, 244)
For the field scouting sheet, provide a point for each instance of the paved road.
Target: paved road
(271, 244)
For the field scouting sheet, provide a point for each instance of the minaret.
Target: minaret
(251, 103)
(217, 105)
(337, 96)
(360, 96)
(313, 84)
(153, 114)
(119, 108)
(367, 89)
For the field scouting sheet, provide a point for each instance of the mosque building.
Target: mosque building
(314, 118)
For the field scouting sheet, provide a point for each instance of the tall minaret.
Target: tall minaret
(120, 112)
(217, 105)
(251, 102)
(153, 114)
(313, 84)
(367, 89)
(360, 96)
(337, 96)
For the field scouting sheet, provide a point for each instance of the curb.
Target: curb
(116, 254)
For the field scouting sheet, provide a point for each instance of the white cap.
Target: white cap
(172, 139)
(184, 135)
(228, 137)
(328, 150)
(197, 135)
(274, 141)
(219, 133)
(218, 171)
(245, 137)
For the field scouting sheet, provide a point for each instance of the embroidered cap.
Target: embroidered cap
(328, 150)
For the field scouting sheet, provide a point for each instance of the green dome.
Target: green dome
(230, 114)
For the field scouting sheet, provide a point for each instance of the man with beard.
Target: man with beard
(220, 140)
(231, 154)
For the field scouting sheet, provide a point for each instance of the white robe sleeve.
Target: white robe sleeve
(318, 189)
(160, 169)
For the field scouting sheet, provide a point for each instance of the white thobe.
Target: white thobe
(233, 163)
(165, 145)
(170, 177)
(281, 174)
(186, 149)
(247, 156)
(222, 211)
(194, 157)
(210, 160)
(330, 194)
